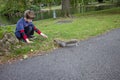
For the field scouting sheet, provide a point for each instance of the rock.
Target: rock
(25, 56)
(8, 40)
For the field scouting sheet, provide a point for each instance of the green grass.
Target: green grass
(83, 26)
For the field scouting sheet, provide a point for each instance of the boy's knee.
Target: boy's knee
(31, 28)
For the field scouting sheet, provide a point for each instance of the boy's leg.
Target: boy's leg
(32, 31)
(20, 38)
(29, 31)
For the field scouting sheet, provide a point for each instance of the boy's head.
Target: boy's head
(29, 15)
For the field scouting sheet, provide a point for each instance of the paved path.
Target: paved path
(97, 58)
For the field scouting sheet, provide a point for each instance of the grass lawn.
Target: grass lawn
(81, 27)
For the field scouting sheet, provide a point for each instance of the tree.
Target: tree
(66, 8)
(14, 6)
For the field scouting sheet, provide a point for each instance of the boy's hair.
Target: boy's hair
(29, 14)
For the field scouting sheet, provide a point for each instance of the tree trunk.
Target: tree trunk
(66, 8)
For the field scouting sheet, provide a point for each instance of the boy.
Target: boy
(25, 28)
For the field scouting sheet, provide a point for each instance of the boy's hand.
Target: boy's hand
(45, 36)
(28, 41)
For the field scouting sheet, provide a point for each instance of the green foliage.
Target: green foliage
(118, 2)
(10, 7)
(13, 6)
(6, 29)
(35, 7)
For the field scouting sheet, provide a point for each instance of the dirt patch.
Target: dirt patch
(65, 21)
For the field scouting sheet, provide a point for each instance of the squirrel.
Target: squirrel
(61, 43)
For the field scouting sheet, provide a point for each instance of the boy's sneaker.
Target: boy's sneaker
(31, 37)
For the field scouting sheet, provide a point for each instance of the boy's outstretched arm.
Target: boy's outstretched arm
(45, 36)
(39, 32)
